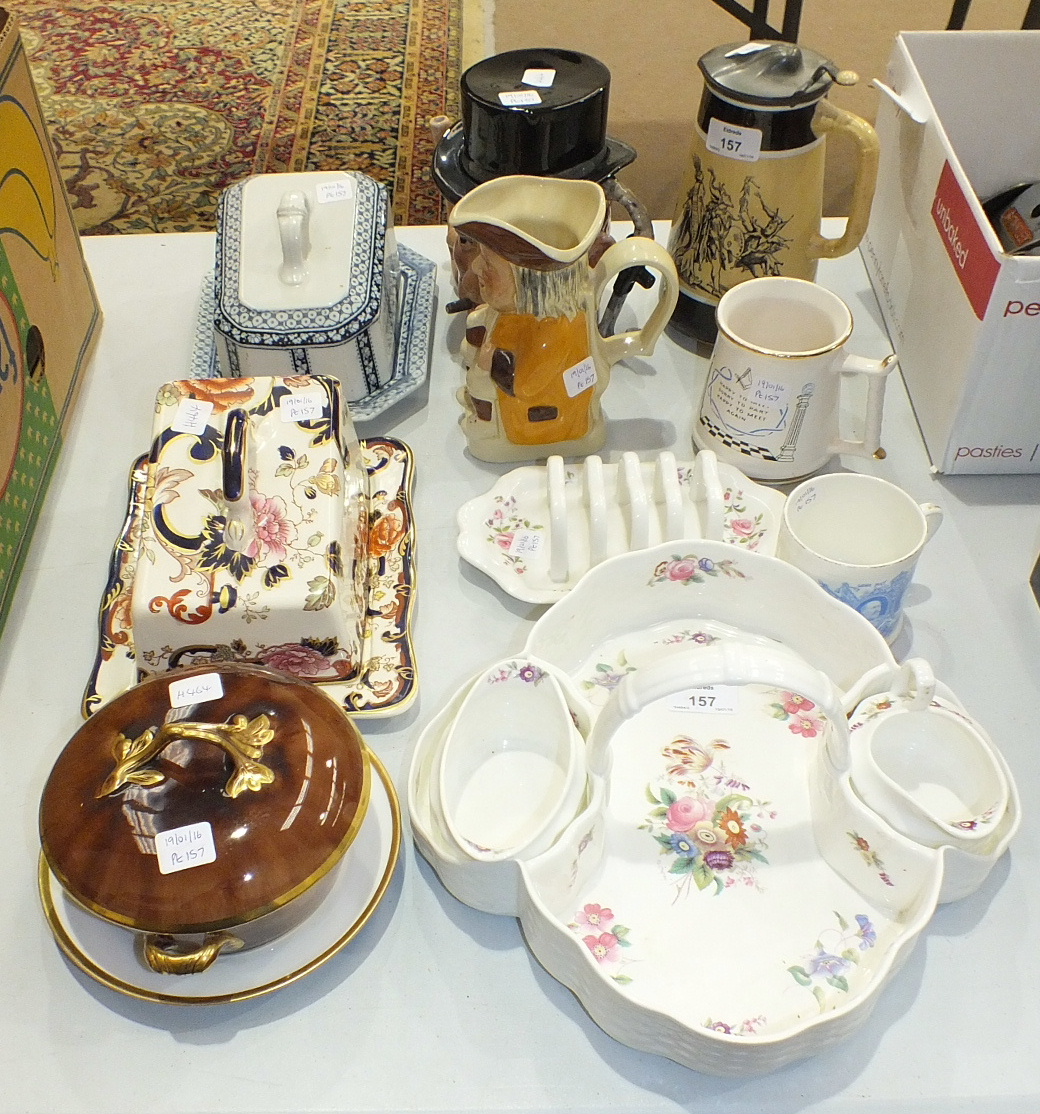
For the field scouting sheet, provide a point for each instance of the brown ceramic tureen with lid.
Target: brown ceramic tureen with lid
(206, 810)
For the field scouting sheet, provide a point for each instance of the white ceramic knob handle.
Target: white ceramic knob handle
(294, 215)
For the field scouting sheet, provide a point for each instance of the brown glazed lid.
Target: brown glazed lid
(206, 815)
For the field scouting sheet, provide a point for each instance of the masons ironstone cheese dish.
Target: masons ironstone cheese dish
(206, 811)
(306, 282)
(253, 537)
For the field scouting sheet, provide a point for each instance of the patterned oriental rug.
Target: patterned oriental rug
(155, 106)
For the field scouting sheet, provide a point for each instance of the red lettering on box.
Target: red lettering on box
(973, 261)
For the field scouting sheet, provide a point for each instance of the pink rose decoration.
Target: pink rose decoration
(681, 570)
(806, 725)
(504, 541)
(686, 812)
(604, 947)
(793, 703)
(300, 661)
(274, 531)
(595, 916)
(744, 527)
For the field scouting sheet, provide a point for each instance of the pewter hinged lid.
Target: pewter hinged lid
(300, 258)
(771, 74)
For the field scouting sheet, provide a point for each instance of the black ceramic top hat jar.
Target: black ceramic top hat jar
(532, 111)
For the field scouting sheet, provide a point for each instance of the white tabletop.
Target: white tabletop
(436, 1007)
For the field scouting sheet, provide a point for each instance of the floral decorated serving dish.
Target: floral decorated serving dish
(309, 570)
(639, 605)
(725, 900)
(540, 529)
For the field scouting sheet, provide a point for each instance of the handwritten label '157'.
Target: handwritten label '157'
(302, 406)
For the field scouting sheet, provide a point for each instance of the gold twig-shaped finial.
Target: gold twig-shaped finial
(242, 739)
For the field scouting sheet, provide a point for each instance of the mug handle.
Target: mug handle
(933, 516)
(876, 372)
(831, 118)
(637, 251)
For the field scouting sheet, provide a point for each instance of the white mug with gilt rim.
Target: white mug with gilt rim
(772, 397)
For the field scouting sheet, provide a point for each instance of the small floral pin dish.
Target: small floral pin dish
(540, 528)
(512, 770)
(261, 530)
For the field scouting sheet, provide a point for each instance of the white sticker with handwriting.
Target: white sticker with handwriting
(580, 377)
(302, 406)
(721, 699)
(342, 189)
(196, 690)
(517, 98)
(542, 78)
(185, 847)
(192, 416)
(525, 543)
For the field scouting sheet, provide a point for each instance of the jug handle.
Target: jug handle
(876, 372)
(637, 251)
(830, 118)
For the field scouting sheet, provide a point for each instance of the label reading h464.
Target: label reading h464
(733, 142)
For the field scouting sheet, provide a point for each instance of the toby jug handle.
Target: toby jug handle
(637, 251)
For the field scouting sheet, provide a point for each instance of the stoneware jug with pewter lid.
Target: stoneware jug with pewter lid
(752, 194)
(536, 363)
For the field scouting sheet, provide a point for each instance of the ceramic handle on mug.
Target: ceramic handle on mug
(637, 251)
(876, 372)
(933, 516)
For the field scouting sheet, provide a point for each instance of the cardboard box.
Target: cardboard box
(959, 122)
(49, 314)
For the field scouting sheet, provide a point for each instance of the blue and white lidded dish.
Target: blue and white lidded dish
(306, 279)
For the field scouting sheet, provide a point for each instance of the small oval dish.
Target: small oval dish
(925, 766)
(512, 768)
(205, 811)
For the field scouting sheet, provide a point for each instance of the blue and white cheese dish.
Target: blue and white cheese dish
(306, 279)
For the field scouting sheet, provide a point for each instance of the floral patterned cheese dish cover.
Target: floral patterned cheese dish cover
(255, 518)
